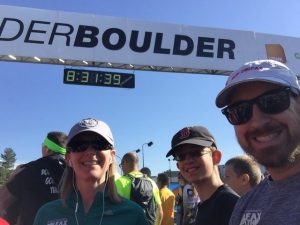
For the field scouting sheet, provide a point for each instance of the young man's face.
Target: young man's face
(233, 180)
(273, 139)
(194, 162)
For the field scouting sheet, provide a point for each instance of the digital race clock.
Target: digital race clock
(99, 78)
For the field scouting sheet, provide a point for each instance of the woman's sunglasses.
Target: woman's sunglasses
(81, 146)
(271, 102)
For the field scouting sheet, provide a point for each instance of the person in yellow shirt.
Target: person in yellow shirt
(167, 199)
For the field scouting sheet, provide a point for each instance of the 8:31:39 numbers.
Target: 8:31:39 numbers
(98, 78)
(93, 78)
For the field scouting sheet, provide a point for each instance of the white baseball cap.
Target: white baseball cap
(269, 71)
(93, 125)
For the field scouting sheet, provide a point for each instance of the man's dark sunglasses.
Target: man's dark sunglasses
(81, 146)
(271, 102)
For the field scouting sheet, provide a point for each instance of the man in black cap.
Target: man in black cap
(195, 150)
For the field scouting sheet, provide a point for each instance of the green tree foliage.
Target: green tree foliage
(8, 159)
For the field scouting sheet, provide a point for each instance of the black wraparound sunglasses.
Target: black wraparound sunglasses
(81, 146)
(271, 102)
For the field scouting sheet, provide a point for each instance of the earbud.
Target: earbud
(70, 163)
(110, 161)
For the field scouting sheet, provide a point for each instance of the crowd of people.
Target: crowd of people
(76, 181)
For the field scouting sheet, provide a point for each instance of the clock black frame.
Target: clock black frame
(99, 78)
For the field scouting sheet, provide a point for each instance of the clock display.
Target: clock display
(99, 78)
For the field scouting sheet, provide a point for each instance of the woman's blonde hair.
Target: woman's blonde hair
(66, 184)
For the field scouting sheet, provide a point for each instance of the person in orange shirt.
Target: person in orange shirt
(167, 199)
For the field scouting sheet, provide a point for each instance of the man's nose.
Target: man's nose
(258, 117)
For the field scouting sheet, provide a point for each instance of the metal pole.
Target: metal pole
(170, 173)
(148, 144)
(143, 155)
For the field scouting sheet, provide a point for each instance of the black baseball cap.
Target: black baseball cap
(196, 135)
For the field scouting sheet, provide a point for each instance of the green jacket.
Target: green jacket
(123, 184)
(125, 213)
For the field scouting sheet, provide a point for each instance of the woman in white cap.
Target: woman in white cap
(88, 192)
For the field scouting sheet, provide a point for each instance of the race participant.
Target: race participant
(88, 193)
(262, 102)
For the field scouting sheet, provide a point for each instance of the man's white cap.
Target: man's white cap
(269, 71)
(91, 125)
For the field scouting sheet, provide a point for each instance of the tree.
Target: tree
(8, 159)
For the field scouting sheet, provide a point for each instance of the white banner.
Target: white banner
(26, 32)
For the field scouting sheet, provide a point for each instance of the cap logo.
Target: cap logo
(184, 133)
(88, 122)
(247, 69)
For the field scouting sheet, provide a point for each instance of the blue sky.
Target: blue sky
(34, 99)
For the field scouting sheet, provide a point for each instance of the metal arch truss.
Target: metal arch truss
(112, 65)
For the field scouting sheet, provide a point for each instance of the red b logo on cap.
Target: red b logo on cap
(184, 133)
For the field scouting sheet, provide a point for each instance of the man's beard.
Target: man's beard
(279, 159)
(274, 156)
